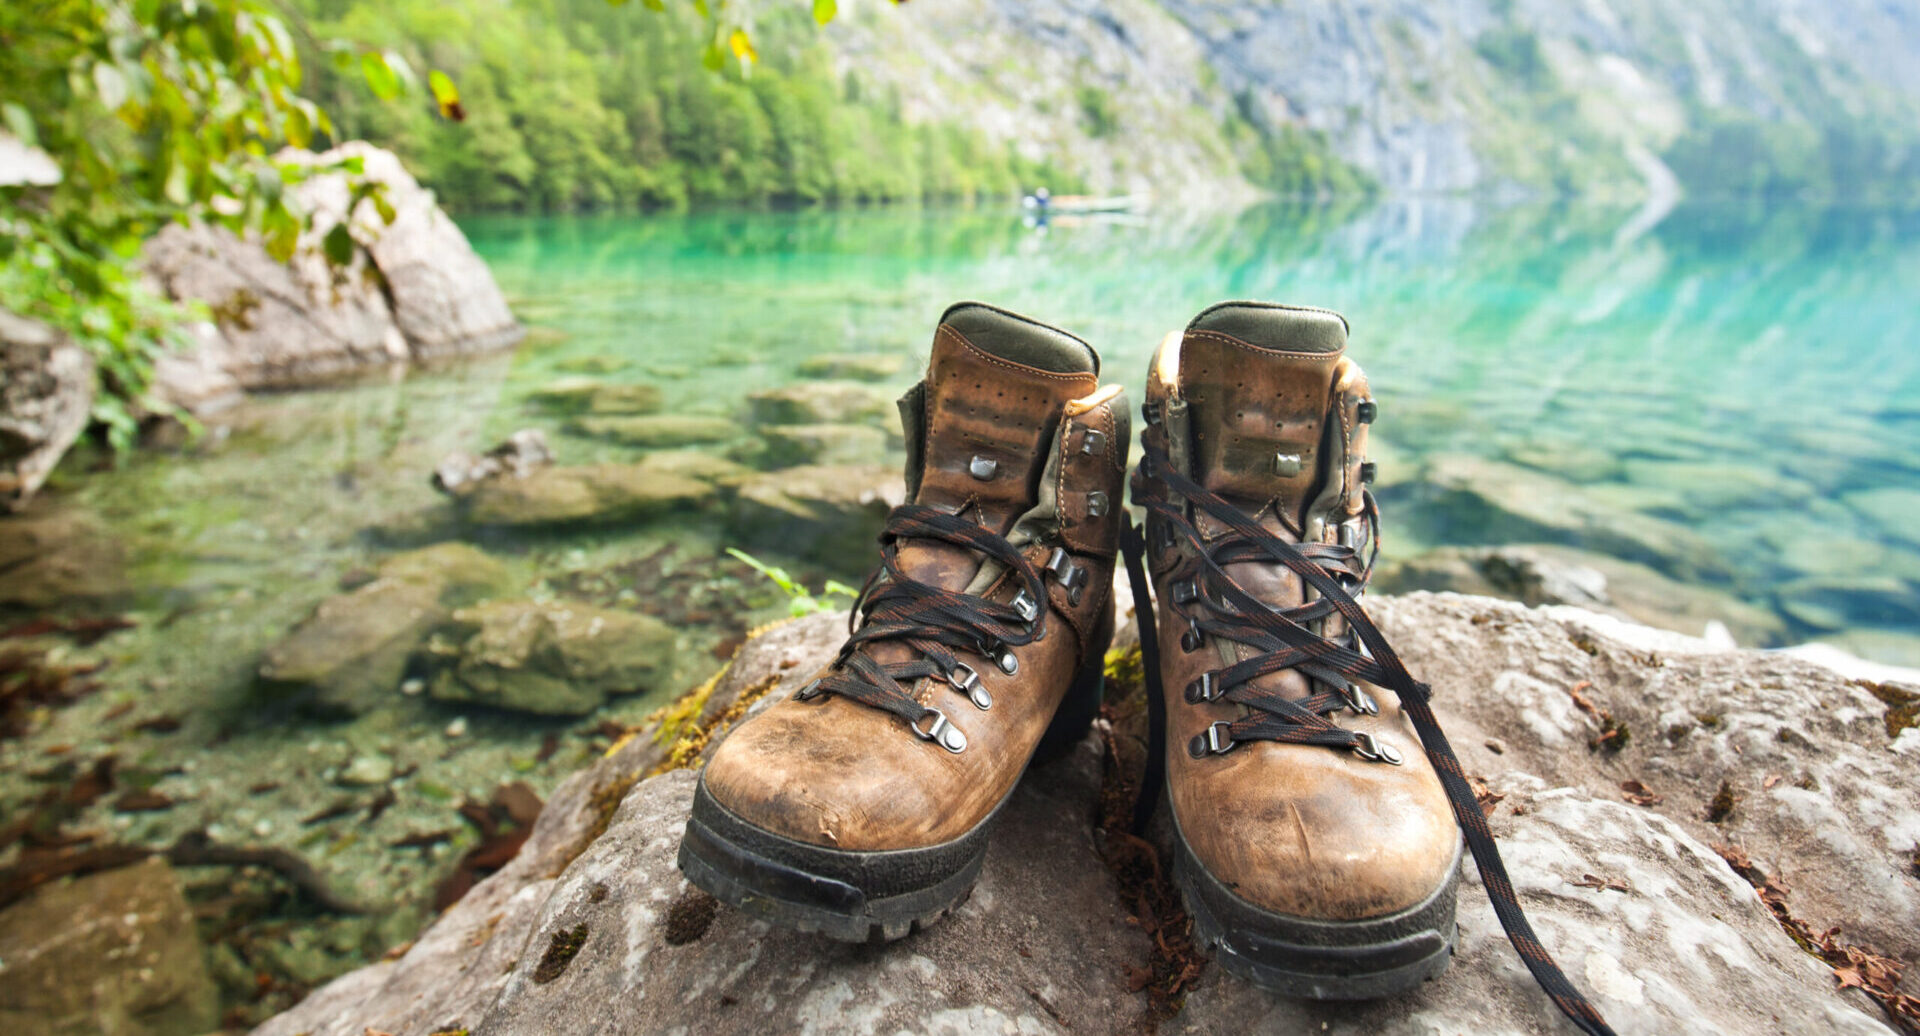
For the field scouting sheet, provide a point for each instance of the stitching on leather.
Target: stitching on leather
(1238, 343)
(1018, 368)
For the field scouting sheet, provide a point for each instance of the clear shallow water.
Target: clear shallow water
(1730, 396)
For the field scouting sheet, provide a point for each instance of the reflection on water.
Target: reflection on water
(1730, 395)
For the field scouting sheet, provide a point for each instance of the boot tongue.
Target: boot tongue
(1258, 382)
(995, 389)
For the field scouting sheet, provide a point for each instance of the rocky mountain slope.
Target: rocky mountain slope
(1202, 96)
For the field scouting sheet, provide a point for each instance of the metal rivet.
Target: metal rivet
(983, 468)
(1366, 410)
(1192, 639)
(1094, 441)
(1287, 465)
(969, 685)
(1368, 470)
(940, 731)
(1096, 504)
(1214, 741)
(1206, 688)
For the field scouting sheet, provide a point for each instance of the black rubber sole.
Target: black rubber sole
(1314, 959)
(854, 896)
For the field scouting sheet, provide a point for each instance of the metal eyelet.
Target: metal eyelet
(1093, 441)
(1366, 410)
(1360, 701)
(1150, 412)
(1026, 607)
(810, 691)
(1368, 472)
(1374, 750)
(941, 732)
(970, 686)
(1215, 741)
(983, 468)
(1186, 591)
(1205, 688)
(1192, 640)
(1097, 502)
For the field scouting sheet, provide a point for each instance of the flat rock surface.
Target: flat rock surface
(592, 929)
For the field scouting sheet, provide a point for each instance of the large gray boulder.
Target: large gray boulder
(593, 929)
(46, 395)
(416, 291)
(114, 952)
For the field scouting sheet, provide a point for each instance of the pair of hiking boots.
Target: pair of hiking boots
(1317, 846)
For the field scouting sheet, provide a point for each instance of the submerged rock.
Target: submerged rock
(114, 952)
(655, 431)
(592, 927)
(821, 402)
(1551, 574)
(794, 444)
(519, 456)
(853, 366)
(58, 559)
(556, 658)
(830, 513)
(695, 464)
(351, 652)
(593, 493)
(46, 399)
(593, 396)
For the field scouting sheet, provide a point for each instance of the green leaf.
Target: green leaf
(824, 10)
(835, 586)
(713, 57)
(446, 95)
(380, 75)
(339, 245)
(20, 123)
(655, 5)
(382, 206)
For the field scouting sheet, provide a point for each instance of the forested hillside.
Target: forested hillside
(574, 104)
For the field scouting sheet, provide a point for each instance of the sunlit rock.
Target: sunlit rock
(558, 658)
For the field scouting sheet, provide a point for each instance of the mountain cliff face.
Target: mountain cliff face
(1615, 97)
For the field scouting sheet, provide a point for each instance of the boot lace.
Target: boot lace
(1223, 608)
(934, 621)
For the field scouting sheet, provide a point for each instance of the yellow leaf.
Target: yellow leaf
(742, 46)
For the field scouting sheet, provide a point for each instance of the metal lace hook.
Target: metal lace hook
(970, 685)
(941, 732)
(1374, 750)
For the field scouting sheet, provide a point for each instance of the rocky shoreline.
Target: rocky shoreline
(1639, 858)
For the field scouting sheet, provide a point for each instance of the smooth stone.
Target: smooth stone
(596, 363)
(585, 395)
(553, 658)
(853, 366)
(694, 464)
(1855, 600)
(589, 494)
(112, 952)
(822, 402)
(60, 558)
(791, 445)
(351, 653)
(519, 456)
(365, 771)
(829, 513)
(1720, 485)
(1895, 510)
(46, 399)
(655, 431)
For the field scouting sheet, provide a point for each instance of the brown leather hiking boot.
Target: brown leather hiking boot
(1316, 843)
(859, 808)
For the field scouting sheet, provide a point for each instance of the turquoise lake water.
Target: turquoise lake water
(1729, 394)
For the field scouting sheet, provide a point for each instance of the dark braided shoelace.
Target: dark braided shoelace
(933, 621)
(1286, 642)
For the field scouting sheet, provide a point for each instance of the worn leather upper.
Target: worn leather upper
(1020, 447)
(1274, 426)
